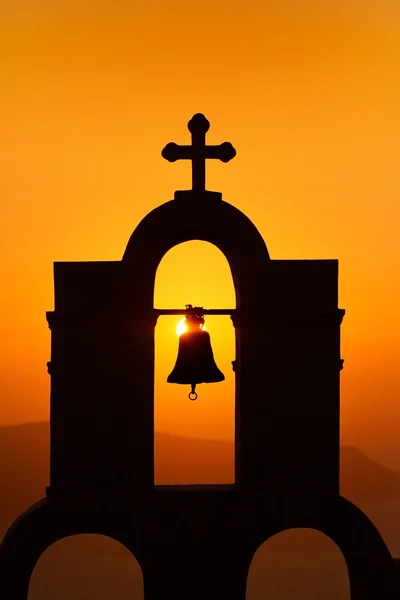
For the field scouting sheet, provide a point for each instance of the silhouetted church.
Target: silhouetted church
(196, 542)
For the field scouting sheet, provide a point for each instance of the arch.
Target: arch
(371, 567)
(95, 563)
(186, 266)
(45, 523)
(301, 564)
(204, 429)
(372, 570)
(208, 220)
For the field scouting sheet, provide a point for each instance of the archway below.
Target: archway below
(86, 567)
(298, 564)
(194, 441)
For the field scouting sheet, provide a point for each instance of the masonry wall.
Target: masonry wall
(101, 383)
(288, 382)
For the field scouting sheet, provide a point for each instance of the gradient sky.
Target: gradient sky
(307, 91)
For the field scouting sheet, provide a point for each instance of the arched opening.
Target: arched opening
(194, 441)
(298, 564)
(86, 567)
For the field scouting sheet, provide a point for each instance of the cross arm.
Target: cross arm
(224, 152)
(173, 152)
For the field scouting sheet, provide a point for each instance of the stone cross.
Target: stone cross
(198, 152)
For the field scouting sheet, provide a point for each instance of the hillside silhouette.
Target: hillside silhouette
(24, 467)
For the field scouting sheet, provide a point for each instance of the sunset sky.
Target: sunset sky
(308, 92)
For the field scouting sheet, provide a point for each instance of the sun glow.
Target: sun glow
(181, 326)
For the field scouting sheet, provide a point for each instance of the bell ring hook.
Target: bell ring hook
(192, 394)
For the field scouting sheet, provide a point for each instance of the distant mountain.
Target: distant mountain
(363, 479)
(24, 465)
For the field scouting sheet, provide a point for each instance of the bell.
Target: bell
(195, 363)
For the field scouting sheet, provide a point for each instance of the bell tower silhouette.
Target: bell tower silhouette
(196, 542)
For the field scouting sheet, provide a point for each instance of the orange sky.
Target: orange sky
(308, 92)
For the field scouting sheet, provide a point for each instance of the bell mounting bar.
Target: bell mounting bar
(206, 311)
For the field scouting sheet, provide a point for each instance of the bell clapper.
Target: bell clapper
(192, 394)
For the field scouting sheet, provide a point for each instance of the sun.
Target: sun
(181, 327)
